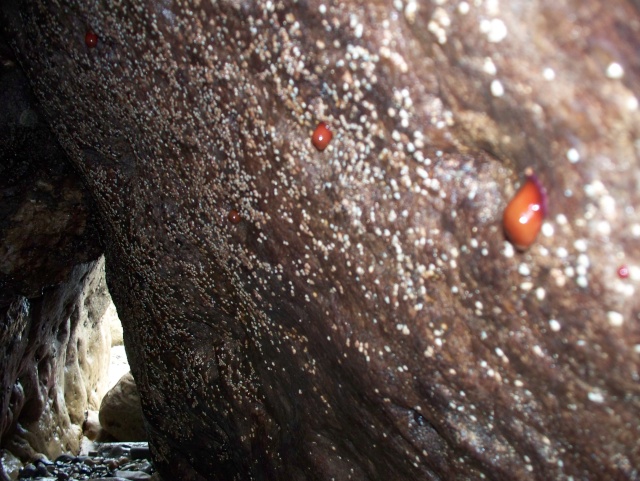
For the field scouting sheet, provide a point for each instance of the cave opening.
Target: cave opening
(72, 408)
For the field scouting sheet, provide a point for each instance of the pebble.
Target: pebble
(131, 474)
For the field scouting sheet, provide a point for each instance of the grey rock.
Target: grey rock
(131, 474)
(11, 465)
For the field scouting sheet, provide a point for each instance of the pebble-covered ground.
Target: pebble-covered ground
(112, 461)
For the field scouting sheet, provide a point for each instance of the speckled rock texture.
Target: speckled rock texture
(53, 350)
(366, 318)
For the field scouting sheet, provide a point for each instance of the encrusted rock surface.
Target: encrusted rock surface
(365, 319)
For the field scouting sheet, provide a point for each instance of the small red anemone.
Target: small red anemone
(234, 216)
(623, 272)
(321, 136)
(90, 39)
(523, 217)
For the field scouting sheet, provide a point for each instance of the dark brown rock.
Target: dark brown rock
(365, 319)
(46, 224)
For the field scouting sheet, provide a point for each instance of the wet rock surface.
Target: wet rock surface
(360, 315)
(112, 461)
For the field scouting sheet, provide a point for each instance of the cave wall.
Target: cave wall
(54, 347)
(361, 315)
(55, 353)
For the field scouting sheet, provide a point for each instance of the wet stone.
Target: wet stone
(28, 471)
(111, 461)
(132, 474)
(109, 479)
(140, 452)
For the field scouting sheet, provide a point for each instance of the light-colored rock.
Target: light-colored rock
(11, 465)
(67, 375)
(132, 474)
(91, 427)
(88, 351)
(121, 412)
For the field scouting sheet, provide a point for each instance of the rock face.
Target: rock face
(53, 347)
(46, 219)
(121, 413)
(360, 315)
(54, 355)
